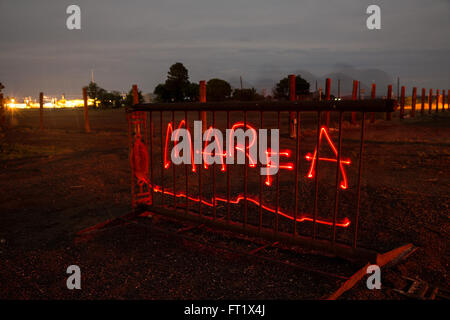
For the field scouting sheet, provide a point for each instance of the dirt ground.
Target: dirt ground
(60, 181)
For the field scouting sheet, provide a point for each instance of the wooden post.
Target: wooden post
(41, 110)
(354, 97)
(430, 100)
(413, 102)
(292, 118)
(389, 96)
(327, 98)
(2, 111)
(87, 126)
(373, 95)
(402, 103)
(422, 108)
(203, 100)
(437, 99)
(135, 94)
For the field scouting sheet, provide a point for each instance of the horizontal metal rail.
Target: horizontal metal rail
(376, 105)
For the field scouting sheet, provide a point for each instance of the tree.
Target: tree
(281, 90)
(177, 87)
(246, 95)
(217, 90)
(94, 91)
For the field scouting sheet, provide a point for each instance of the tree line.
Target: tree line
(178, 88)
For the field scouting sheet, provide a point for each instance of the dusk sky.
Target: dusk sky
(136, 41)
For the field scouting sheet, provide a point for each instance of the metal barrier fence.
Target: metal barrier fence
(285, 207)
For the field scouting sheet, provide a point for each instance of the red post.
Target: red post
(422, 109)
(327, 98)
(135, 94)
(402, 103)
(2, 111)
(203, 100)
(87, 126)
(41, 110)
(413, 102)
(354, 97)
(292, 118)
(389, 97)
(430, 100)
(437, 99)
(373, 95)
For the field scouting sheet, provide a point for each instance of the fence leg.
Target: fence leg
(354, 97)
(203, 100)
(430, 100)
(437, 100)
(41, 111)
(373, 95)
(292, 117)
(402, 103)
(389, 96)
(413, 102)
(87, 126)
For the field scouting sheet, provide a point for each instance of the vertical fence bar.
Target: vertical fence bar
(338, 171)
(402, 103)
(358, 197)
(173, 167)
(373, 95)
(200, 171)
(214, 168)
(245, 170)
(186, 173)
(297, 156)
(437, 99)
(389, 96)
(277, 193)
(316, 169)
(41, 111)
(87, 126)
(203, 100)
(422, 107)
(354, 97)
(413, 102)
(162, 156)
(292, 132)
(152, 181)
(327, 98)
(430, 101)
(228, 173)
(260, 175)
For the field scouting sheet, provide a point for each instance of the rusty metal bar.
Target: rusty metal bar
(413, 102)
(377, 105)
(228, 174)
(152, 181)
(338, 171)
(316, 181)
(354, 98)
(437, 99)
(203, 100)
(358, 197)
(389, 96)
(245, 170)
(297, 157)
(292, 97)
(277, 194)
(402, 103)
(200, 176)
(162, 156)
(214, 169)
(373, 96)
(186, 173)
(430, 101)
(260, 175)
(173, 167)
